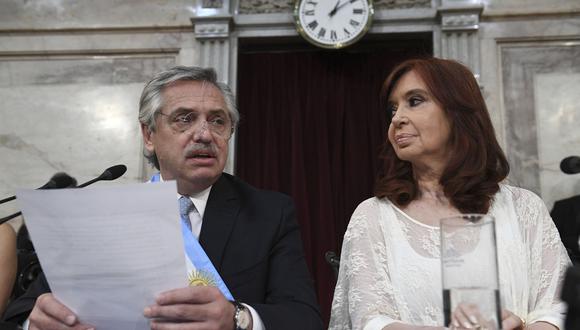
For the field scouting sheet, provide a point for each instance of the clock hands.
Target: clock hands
(333, 11)
(338, 6)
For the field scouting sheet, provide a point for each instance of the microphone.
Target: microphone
(334, 261)
(570, 165)
(59, 180)
(112, 173)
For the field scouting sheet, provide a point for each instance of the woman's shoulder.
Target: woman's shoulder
(528, 206)
(519, 195)
(368, 211)
(366, 222)
(371, 206)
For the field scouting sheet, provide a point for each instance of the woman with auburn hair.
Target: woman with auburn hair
(442, 159)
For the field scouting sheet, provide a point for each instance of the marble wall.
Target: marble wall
(529, 66)
(541, 83)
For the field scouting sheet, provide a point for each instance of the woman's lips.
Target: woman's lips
(404, 139)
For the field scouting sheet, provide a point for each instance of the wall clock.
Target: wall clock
(333, 23)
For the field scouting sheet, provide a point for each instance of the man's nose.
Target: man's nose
(201, 131)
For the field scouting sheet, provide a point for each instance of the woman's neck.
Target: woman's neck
(427, 179)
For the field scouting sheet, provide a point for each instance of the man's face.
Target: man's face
(191, 138)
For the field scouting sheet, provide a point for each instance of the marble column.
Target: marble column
(212, 27)
(459, 32)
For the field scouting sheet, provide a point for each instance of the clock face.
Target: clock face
(333, 23)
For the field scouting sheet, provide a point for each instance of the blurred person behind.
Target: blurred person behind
(8, 264)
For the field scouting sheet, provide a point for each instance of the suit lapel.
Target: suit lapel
(218, 221)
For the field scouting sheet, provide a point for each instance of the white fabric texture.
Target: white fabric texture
(390, 269)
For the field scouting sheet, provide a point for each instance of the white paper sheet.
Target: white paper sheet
(107, 251)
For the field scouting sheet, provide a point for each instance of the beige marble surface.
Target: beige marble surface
(540, 84)
(558, 122)
(70, 114)
(70, 14)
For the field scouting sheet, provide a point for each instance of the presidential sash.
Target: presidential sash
(204, 273)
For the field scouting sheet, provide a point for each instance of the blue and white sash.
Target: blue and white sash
(205, 272)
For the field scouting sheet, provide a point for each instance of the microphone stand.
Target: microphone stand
(111, 173)
(7, 199)
(59, 180)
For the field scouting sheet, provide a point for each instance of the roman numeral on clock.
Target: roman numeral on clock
(312, 25)
(309, 12)
(321, 33)
(354, 23)
(333, 35)
(357, 11)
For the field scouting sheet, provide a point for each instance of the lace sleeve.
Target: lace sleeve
(363, 297)
(547, 259)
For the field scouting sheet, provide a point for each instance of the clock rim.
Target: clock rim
(338, 45)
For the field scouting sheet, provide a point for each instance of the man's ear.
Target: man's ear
(147, 138)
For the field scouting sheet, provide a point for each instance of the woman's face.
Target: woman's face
(419, 130)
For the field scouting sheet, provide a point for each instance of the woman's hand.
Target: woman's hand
(468, 316)
(511, 321)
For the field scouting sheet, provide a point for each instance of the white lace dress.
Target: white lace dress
(390, 269)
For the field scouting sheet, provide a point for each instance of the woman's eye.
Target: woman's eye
(415, 101)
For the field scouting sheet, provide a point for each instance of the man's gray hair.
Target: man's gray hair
(151, 101)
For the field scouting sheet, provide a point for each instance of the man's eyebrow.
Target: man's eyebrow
(189, 109)
(183, 109)
(218, 111)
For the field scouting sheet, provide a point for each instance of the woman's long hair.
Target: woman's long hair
(477, 163)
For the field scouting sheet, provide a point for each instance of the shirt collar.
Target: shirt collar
(199, 199)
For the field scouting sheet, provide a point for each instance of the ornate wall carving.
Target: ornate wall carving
(401, 4)
(287, 6)
(265, 6)
(212, 3)
(460, 22)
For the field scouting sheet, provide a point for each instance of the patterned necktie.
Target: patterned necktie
(185, 206)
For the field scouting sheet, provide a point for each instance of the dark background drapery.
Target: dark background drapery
(311, 127)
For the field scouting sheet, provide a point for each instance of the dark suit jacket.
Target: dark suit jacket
(566, 216)
(253, 240)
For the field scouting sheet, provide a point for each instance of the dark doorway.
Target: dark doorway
(312, 128)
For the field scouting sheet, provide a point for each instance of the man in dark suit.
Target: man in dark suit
(566, 215)
(250, 236)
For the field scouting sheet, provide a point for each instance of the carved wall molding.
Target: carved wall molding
(265, 6)
(401, 4)
(211, 27)
(204, 31)
(287, 6)
(459, 38)
(459, 22)
(212, 4)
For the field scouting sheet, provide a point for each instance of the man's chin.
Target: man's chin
(204, 176)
